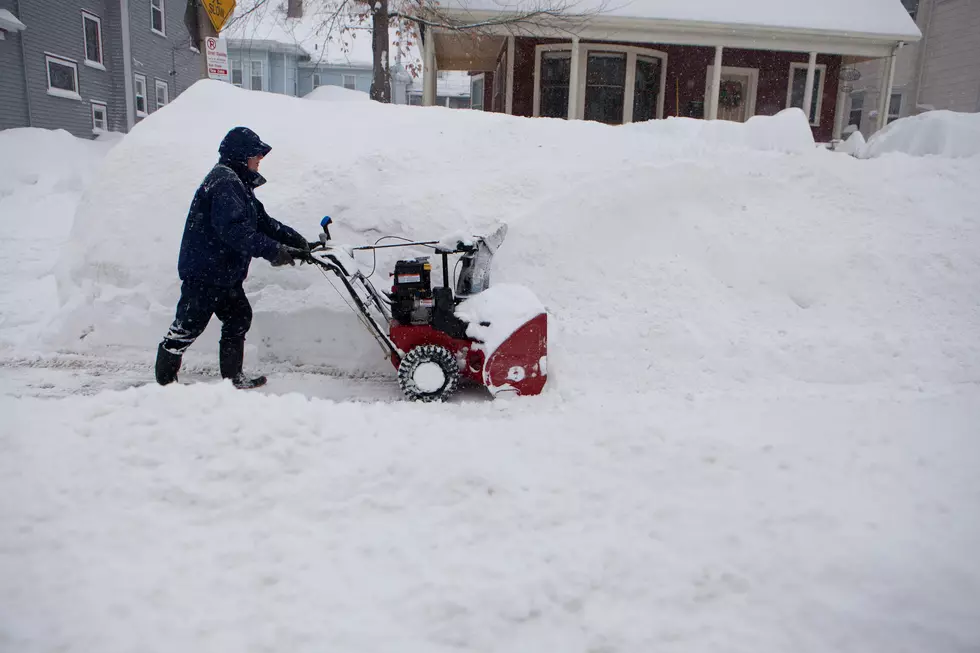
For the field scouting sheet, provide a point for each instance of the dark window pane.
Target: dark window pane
(912, 6)
(605, 85)
(799, 87)
(857, 107)
(93, 48)
(156, 15)
(556, 71)
(62, 76)
(646, 91)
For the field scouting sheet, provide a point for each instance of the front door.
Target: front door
(736, 99)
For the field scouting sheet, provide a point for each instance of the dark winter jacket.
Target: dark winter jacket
(227, 226)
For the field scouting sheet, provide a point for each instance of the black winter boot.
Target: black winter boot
(231, 354)
(168, 364)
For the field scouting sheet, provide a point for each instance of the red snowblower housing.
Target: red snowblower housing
(494, 336)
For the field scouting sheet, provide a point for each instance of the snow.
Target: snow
(759, 431)
(497, 312)
(336, 94)
(878, 17)
(853, 145)
(9, 22)
(934, 133)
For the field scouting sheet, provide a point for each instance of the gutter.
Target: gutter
(127, 65)
(23, 60)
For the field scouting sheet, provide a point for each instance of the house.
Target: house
(634, 61)
(269, 51)
(942, 71)
(91, 66)
(452, 90)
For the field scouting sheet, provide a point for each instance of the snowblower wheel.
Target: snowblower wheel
(428, 373)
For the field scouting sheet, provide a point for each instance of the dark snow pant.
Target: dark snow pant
(198, 302)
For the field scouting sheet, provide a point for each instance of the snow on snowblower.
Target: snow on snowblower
(494, 336)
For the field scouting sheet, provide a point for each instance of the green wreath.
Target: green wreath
(730, 95)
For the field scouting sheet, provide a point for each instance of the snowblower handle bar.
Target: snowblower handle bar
(412, 244)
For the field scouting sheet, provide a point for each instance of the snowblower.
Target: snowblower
(435, 337)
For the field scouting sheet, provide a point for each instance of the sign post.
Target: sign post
(216, 51)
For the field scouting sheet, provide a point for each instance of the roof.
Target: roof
(452, 84)
(859, 17)
(9, 22)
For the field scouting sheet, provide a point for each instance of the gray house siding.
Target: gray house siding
(951, 75)
(277, 73)
(13, 92)
(60, 32)
(155, 56)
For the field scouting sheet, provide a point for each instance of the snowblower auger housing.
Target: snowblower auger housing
(418, 327)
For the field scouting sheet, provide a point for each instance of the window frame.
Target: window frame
(92, 63)
(482, 79)
(241, 70)
(157, 85)
(317, 79)
(343, 81)
(251, 74)
(137, 78)
(99, 104)
(631, 52)
(901, 103)
(67, 62)
(162, 8)
(795, 65)
(850, 109)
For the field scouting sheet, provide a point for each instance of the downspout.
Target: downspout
(884, 102)
(23, 60)
(923, 52)
(127, 64)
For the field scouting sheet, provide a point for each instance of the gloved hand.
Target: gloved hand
(287, 256)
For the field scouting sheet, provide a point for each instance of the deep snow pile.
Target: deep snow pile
(701, 259)
(42, 176)
(940, 133)
(336, 94)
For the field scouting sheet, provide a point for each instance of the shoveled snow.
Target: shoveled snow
(940, 133)
(854, 144)
(336, 94)
(494, 314)
(759, 432)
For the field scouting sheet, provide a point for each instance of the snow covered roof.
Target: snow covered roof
(867, 17)
(9, 22)
(449, 84)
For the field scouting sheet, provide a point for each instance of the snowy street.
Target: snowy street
(759, 431)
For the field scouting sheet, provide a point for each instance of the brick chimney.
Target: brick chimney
(294, 9)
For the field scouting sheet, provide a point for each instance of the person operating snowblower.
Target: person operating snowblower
(226, 228)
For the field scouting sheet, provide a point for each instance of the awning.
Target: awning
(9, 22)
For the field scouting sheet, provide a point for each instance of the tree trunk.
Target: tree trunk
(381, 80)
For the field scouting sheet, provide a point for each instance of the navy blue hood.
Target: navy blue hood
(238, 145)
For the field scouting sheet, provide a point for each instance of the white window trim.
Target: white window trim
(163, 17)
(146, 101)
(753, 74)
(343, 81)
(105, 112)
(822, 67)
(231, 72)
(100, 64)
(473, 79)
(628, 92)
(65, 61)
(251, 68)
(157, 85)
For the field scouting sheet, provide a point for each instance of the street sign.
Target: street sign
(216, 50)
(219, 11)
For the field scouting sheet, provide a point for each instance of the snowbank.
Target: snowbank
(854, 145)
(787, 131)
(336, 94)
(940, 133)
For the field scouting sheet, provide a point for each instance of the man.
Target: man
(226, 227)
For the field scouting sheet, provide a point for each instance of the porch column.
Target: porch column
(887, 84)
(509, 102)
(429, 72)
(572, 81)
(811, 69)
(715, 85)
(839, 108)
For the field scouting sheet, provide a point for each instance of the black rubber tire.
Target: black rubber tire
(428, 354)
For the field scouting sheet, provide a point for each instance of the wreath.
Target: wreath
(730, 95)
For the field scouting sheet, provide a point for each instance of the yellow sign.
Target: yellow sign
(219, 11)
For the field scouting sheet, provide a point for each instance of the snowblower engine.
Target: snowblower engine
(411, 292)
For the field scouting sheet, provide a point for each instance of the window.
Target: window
(912, 6)
(256, 76)
(894, 107)
(476, 92)
(92, 31)
(646, 93)
(605, 87)
(140, 91)
(236, 72)
(556, 70)
(316, 80)
(62, 77)
(350, 81)
(158, 19)
(797, 87)
(857, 109)
(163, 93)
(100, 119)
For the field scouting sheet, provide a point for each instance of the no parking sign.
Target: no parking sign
(216, 49)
